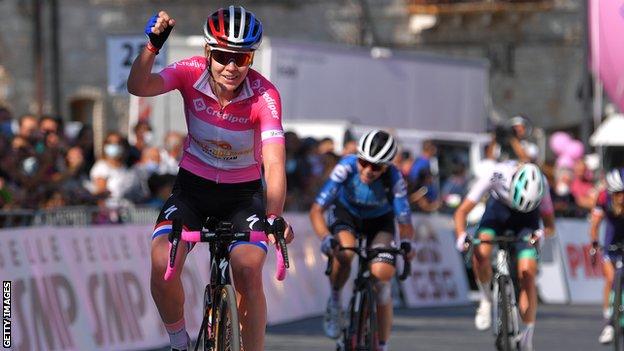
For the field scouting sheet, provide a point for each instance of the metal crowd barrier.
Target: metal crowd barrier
(78, 216)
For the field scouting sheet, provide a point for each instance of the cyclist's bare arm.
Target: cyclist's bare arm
(318, 220)
(274, 160)
(141, 81)
(460, 215)
(594, 226)
(549, 224)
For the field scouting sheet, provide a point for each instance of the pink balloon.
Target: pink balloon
(575, 150)
(565, 161)
(559, 141)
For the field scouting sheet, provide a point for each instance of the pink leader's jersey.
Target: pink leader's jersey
(225, 144)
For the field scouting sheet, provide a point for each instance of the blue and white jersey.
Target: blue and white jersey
(366, 200)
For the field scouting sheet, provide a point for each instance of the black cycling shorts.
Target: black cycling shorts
(379, 231)
(194, 198)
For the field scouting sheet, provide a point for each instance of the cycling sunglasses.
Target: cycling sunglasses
(374, 166)
(240, 59)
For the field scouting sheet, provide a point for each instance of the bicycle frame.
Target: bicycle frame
(502, 269)
(502, 272)
(363, 283)
(220, 235)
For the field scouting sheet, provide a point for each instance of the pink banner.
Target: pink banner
(606, 19)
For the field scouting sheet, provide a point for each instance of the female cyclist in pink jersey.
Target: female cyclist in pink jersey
(233, 116)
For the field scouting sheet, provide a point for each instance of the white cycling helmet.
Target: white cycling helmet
(527, 188)
(377, 146)
(615, 181)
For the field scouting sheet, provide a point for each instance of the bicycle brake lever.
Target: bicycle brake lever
(174, 240)
(280, 227)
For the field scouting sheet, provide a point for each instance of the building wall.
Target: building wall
(536, 59)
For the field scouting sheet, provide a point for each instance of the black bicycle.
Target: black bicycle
(220, 329)
(618, 309)
(505, 311)
(361, 331)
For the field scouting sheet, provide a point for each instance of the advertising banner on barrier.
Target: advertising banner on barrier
(438, 274)
(88, 288)
(585, 281)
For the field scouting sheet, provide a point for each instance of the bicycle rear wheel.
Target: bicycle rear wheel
(227, 329)
(617, 312)
(503, 318)
(366, 332)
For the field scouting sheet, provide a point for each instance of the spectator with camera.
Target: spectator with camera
(512, 137)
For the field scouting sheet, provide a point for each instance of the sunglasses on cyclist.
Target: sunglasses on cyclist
(240, 59)
(374, 166)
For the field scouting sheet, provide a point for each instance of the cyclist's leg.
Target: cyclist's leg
(382, 268)
(494, 218)
(342, 262)
(247, 260)
(343, 226)
(527, 271)
(169, 295)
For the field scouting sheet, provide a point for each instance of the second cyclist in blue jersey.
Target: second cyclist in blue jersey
(363, 196)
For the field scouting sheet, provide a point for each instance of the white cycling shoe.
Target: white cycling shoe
(607, 334)
(332, 321)
(526, 341)
(483, 317)
(188, 344)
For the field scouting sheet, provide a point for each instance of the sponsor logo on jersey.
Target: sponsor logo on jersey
(271, 103)
(339, 174)
(221, 149)
(200, 106)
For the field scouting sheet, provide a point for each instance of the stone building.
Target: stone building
(535, 48)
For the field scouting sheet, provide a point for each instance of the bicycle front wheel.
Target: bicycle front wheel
(366, 332)
(503, 318)
(227, 329)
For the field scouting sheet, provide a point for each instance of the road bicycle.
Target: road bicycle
(361, 331)
(617, 316)
(505, 311)
(220, 329)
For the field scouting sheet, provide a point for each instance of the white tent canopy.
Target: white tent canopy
(610, 132)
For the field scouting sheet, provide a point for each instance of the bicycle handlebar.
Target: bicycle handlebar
(365, 253)
(223, 233)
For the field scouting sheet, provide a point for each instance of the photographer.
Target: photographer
(512, 136)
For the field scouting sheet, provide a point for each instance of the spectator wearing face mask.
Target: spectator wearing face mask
(144, 169)
(171, 154)
(111, 179)
(143, 138)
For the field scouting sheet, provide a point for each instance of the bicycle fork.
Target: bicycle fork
(502, 270)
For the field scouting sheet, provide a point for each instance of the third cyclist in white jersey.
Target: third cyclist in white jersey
(519, 196)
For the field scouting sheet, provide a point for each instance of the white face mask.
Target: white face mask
(562, 189)
(113, 150)
(148, 137)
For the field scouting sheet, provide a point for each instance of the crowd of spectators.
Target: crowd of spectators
(43, 167)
